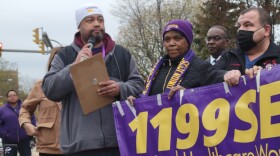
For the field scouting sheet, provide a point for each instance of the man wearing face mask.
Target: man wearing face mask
(255, 48)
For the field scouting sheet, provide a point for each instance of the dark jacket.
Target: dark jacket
(95, 130)
(208, 60)
(234, 59)
(10, 131)
(199, 73)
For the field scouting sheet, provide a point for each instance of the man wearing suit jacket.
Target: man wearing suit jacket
(216, 41)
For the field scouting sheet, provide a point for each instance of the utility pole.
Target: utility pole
(44, 40)
(24, 51)
(41, 40)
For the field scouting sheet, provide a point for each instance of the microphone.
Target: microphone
(91, 41)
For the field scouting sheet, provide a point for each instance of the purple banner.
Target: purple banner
(215, 120)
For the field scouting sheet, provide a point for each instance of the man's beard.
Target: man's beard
(98, 37)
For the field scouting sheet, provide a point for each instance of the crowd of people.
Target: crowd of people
(63, 129)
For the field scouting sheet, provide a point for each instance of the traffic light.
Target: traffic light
(42, 47)
(1, 48)
(36, 35)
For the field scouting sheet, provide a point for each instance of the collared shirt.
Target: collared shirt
(213, 60)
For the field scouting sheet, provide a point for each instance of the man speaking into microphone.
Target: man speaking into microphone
(92, 134)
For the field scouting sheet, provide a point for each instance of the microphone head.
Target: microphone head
(95, 39)
(92, 40)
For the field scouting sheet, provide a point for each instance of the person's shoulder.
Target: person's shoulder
(63, 51)
(67, 49)
(38, 85)
(68, 54)
(39, 82)
(231, 51)
(278, 48)
(120, 49)
(199, 63)
(274, 47)
(198, 59)
(3, 108)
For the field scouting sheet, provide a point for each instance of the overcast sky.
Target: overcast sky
(57, 17)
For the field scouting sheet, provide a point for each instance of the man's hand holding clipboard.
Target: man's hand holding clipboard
(92, 83)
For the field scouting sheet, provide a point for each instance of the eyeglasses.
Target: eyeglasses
(215, 38)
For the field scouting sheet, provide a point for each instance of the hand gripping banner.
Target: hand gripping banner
(215, 120)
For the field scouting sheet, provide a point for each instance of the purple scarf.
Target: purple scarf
(176, 77)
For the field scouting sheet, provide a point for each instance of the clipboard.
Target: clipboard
(86, 75)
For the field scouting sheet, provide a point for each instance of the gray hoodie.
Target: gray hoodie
(96, 130)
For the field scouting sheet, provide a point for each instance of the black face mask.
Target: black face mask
(245, 39)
